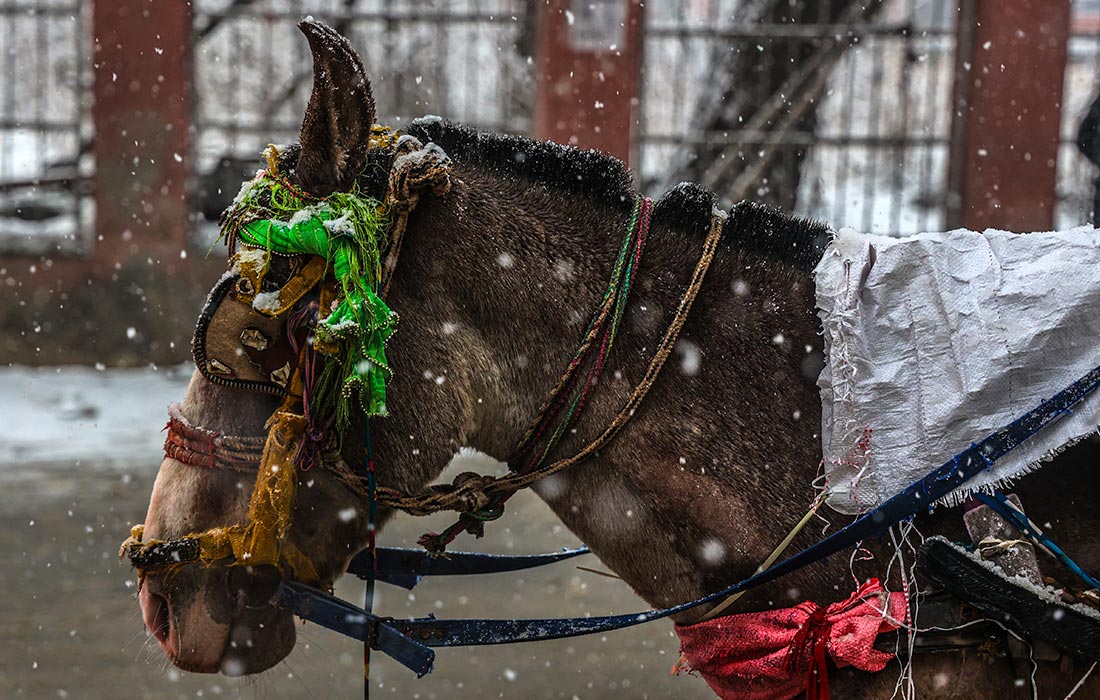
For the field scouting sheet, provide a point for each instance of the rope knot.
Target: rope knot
(814, 633)
(470, 487)
(416, 169)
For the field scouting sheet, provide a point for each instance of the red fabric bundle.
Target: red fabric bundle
(777, 654)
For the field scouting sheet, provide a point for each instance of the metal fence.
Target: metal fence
(1076, 176)
(45, 202)
(866, 165)
(469, 61)
(875, 155)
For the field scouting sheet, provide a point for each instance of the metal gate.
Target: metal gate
(45, 203)
(469, 61)
(874, 154)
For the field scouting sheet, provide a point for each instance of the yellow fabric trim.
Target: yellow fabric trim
(382, 136)
(263, 539)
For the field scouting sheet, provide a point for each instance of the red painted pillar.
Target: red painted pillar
(1011, 58)
(589, 66)
(142, 115)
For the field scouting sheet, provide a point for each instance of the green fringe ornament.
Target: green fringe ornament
(347, 229)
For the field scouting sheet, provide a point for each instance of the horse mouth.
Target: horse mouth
(156, 612)
(217, 633)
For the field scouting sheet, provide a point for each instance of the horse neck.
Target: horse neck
(715, 466)
(496, 286)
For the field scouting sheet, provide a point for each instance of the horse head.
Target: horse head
(211, 618)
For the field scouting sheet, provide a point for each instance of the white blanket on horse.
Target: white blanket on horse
(936, 340)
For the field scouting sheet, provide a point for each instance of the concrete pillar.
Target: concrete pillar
(589, 74)
(142, 114)
(1010, 63)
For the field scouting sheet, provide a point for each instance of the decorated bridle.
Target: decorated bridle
(341, 368)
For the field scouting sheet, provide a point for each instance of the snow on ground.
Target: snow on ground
(60, 415)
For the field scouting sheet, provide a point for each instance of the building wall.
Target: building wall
(126, 125)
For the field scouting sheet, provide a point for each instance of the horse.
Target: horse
(494, 286)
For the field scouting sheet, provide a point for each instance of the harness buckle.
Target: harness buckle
(372, 630)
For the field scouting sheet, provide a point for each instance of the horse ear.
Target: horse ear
(336, 129)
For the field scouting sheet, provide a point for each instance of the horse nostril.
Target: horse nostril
(160, 624)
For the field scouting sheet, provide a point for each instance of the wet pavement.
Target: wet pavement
(70, 625)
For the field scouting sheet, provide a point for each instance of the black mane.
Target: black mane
(760, 229)
(592, 174)
(763, 230)
(791, 240)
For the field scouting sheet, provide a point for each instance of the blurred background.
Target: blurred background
(126, 126)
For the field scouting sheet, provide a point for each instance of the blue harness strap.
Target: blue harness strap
(920, 495)
(405, 567)
(999, 503)
(351, 621)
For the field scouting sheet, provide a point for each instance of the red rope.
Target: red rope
(811, 641)
(200, 447)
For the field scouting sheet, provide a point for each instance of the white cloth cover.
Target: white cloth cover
(936, 340)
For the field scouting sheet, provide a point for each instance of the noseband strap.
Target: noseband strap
(200, 447)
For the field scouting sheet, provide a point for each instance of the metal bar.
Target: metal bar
(373, 16)
(960, 98)
(749, 32)
(405, 567)
(897, 154)
(9, 123)
(8, 105)
(29, 8)
(275, 128)
(794, 138)
(874, 49)
(64, 182)
(928, 108)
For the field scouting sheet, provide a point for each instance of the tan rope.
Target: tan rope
(463, 496)
(779, 549)
(416, 168)
(991, 547)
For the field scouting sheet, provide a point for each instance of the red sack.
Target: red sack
(777, 654)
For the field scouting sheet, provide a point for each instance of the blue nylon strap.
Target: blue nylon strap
(917, 496)
(998, 502)
(405, 567)
(352, 621)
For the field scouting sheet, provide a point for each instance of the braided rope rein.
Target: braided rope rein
(570, 394)
(470, 490)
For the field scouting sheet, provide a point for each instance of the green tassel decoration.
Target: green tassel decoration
(348, 230)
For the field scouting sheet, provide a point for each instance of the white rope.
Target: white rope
(1081, 682)
(905, 684)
